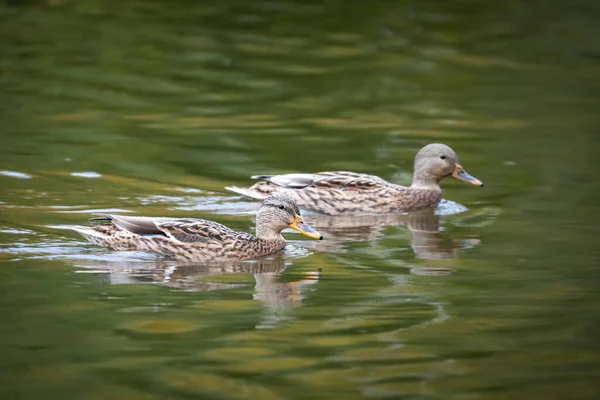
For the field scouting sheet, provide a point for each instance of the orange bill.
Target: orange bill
(304, 228)
(460, 174)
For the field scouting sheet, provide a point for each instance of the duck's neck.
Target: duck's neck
(269, 235)
(428, 184)
(424, 177)
(425, 191)
(422, 194)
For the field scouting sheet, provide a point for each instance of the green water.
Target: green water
(162, 104)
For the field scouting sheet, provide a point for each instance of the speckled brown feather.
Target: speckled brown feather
(196, 240)
(342, 192)
(208, 240)
(189, 240)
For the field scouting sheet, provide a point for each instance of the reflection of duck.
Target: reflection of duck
(189, 276)
(341, 192)
(200, 240)
(426, 241)
(277, 296)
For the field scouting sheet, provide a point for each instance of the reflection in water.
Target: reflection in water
(427, 241)
(277, 296)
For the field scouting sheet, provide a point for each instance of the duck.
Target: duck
(199, 240)
(343, 192)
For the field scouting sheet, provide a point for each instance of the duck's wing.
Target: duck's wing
(342, 180)
(325, 180)
(289, 181)
(198, 231)
(186, 230)
(138, 225)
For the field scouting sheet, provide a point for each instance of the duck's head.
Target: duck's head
(278, 212)
(435, 162)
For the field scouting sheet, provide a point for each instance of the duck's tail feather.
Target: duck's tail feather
(91, 235)
(109, 235)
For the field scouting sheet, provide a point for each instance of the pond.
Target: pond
(152, 108)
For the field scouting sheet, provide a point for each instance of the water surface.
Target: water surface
(152, 108)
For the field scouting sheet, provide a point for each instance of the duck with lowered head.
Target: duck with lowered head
(342, 192)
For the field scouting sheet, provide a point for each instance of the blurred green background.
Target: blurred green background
(152, 107)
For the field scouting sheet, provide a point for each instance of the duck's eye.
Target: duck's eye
(281, 207)
(442, 156)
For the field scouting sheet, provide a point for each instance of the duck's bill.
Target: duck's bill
(460, 174)
(304, 228)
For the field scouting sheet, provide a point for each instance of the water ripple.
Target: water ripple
(15, 174)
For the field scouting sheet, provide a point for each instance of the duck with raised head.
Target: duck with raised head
(343, 192)
(199, 240)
